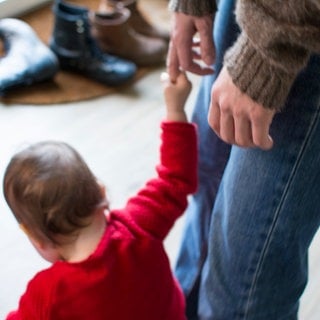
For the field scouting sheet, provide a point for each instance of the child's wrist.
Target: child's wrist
(178, 116)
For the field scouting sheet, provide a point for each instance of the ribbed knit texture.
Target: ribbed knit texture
(192, 7)
(253, 74)
(275, 44)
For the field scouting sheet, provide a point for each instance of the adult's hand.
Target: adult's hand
(236, 118)
(182, 53)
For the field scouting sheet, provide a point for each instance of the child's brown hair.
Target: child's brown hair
(51, 190)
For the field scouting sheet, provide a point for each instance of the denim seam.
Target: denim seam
(277, 212)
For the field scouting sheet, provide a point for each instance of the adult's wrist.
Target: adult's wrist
(255, 76)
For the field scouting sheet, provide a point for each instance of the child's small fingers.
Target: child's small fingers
(182, 76)
(183, 79)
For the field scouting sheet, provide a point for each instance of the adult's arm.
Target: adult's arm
(276, 41)
(275, 44)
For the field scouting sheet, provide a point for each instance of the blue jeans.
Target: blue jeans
(252, 260)
(213, 156)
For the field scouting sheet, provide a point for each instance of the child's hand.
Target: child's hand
(175, 96)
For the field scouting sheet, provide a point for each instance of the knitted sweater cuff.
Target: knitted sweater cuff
(192, 7)
(255, 76)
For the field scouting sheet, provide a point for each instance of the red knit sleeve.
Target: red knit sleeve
(35, 301)
(14, 315)
(164, 198)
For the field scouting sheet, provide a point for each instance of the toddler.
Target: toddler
(106, 264)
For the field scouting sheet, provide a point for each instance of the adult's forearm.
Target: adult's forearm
(193, 7)
(276, 41)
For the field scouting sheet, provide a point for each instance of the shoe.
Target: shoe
(137, 20)
(26, 59)
(115, 36)
(78, 51)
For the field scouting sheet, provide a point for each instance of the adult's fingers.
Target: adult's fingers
(207, 49)
(243, 132)
(183, 46)
(199, 69)
(261, 137)
(260, 133)
(172, 63)
(214, 117)
(188, 56)
(227, 133)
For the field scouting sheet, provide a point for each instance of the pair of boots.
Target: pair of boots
(76, 43)
(117, 29)
(26, 60)
(76, 49)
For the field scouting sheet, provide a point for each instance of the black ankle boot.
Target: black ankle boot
(27, 59)
(77, 51)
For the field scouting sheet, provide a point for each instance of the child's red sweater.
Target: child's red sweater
(128, 277)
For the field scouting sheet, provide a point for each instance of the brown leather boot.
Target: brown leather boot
(137, 20)
(115, 36)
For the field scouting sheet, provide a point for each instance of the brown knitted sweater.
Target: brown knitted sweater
(276, 42)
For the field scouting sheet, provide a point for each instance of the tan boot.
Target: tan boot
(115, 36)
(137, 20)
